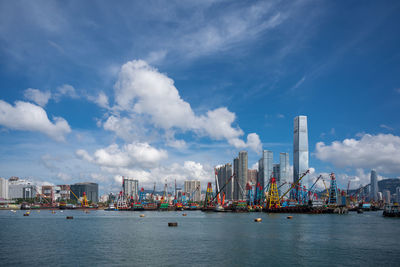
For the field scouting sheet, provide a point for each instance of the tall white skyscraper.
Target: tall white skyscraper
(192, 189)
(300, 149)
(265, 167)
(284, 172)
(374, 186)
(131, 188)
(3, 188)
(240, 167)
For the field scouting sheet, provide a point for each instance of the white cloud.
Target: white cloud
(140, 155)
(143, 90)
(65, 90)
(37, 96)
(102, 100)
(64, 176)
(381, 152)
(29, 117)
(384, 126)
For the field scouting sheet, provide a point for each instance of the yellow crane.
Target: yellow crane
(327, 191)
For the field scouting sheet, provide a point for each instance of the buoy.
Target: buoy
(53, 211)
(70, 217)
(258, 220)
(184, 214)
(142, 215)
(172, 224)
(290, 217)
(26, 214)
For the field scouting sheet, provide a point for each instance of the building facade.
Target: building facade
(224, 174)
(374, 186)
(300, 149)
(387, 197)
(284, 175)
(398, 195)
(131, 188)
(265, 168)
(18, 188)
(252, 177)
(91, 190)
(241, 168)
(3, 188)
(192, 190)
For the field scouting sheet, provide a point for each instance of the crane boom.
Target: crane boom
(294, 184)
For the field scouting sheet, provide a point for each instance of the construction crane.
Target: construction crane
(273, 200)
(294, 185)
(152, 193)
(222, 188)
(209, 196)
(326, 195)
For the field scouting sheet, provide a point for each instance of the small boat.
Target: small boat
(391, 210)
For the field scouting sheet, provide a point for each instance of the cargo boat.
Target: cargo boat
(391, 211)
(150, 206)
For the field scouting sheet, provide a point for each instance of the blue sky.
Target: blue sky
(167, 90)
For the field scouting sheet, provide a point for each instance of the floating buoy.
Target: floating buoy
(172, 224)
(70, 217)
(53, 211)
(184, 214)
(61, 211)
(258, 220)
(290, 217)
(142, 215)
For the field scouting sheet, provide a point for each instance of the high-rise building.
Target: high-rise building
(265, 168)
(386, 194)
(398, 195)
(131, 188)
(3, 188)
(64, 192)
(300, 149)
(252, 177)
(241, 177)
(284, 174)
(192, 189)
(18, 188)
(374, 186)
(224, 174)
(235, 179)
(91, 190)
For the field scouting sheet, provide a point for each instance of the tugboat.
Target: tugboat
(391, 210)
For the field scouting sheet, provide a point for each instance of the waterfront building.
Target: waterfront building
(224, 174)
(235, 179)
(252, 176)
(64, 191)
(380, 196)
(265, 168)
(3, 188)
(131, 188)
(386, 195)
(284, 175)
(300, 149)
(374, 186)
(241, 166)
(18, 188)
(192, 189)
(91, 190)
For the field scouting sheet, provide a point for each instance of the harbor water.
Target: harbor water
(104, 238)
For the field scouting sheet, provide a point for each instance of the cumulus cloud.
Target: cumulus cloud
(37, 96)
(142, 89)
(381, 152)
(65, 90)
(140, 155)
(29, 117)
(189, 170)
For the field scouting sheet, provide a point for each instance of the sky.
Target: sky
(167, 90)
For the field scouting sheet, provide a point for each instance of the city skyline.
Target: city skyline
(87, 94)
